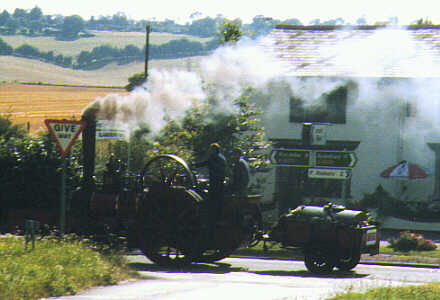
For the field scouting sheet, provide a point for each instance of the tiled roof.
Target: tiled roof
(359, 51)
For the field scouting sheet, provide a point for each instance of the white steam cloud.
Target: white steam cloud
(168, 94)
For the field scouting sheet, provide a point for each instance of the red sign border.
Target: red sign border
(62, 151)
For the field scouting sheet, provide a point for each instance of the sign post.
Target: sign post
(65, 134)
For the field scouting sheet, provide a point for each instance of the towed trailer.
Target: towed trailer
(329, 236)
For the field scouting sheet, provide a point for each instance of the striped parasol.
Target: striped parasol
(405, 170)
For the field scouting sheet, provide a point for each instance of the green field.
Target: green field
(115, 39)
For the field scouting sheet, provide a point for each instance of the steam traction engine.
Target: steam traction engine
(172, 224)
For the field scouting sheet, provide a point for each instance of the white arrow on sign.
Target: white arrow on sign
(64, 133)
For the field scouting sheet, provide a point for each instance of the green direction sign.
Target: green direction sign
(291, 157)
(335, 159)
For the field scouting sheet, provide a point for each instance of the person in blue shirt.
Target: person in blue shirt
(240, 174)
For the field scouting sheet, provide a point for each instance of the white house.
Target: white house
(371, 96)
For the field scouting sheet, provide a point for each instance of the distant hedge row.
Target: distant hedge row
(103, 55)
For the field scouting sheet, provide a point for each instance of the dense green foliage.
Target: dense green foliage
(230, 31)
(135, 80)
(55, 267)
(9, 130)
(31, 172)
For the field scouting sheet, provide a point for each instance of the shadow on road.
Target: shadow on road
(305, 273)
(216, 268)
(223, 268)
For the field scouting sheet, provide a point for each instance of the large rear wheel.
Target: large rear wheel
(168, 221)
(168, 228)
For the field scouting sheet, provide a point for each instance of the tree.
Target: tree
(5, 49)
(84, 58)
(422, 21)
(35, 14)
(262, 25)
(131, 51)
(12, 26)
(361, 21)
(293, 21)
(134, 81)
(9, 130)
(203, 125)
(27, 51)
(71, 27)
(206, 27)
(4, 18)
(230, 31)
(19, 14)
(120, 20)
(316, 21)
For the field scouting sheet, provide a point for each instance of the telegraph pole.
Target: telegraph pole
(147, 43)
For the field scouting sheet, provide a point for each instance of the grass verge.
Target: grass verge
(56, 267)
(429, 291)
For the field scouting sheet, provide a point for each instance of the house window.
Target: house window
(329, 108)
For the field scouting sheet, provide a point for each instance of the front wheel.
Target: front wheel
(350, 261)
(213, 255)
(318, 262)
(167, 255)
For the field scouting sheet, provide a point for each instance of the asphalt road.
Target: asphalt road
(257, 279)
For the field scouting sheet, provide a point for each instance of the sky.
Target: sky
(181, 10)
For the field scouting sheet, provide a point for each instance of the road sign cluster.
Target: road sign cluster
(323, 164)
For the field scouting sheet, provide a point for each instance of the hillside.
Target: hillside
(14, 69)
(100, 38)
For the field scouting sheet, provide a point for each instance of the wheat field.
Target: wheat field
(30, 105)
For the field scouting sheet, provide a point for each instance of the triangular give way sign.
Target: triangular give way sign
(64, 133)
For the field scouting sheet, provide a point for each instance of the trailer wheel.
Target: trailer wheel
(350, 261)
(318, 262)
